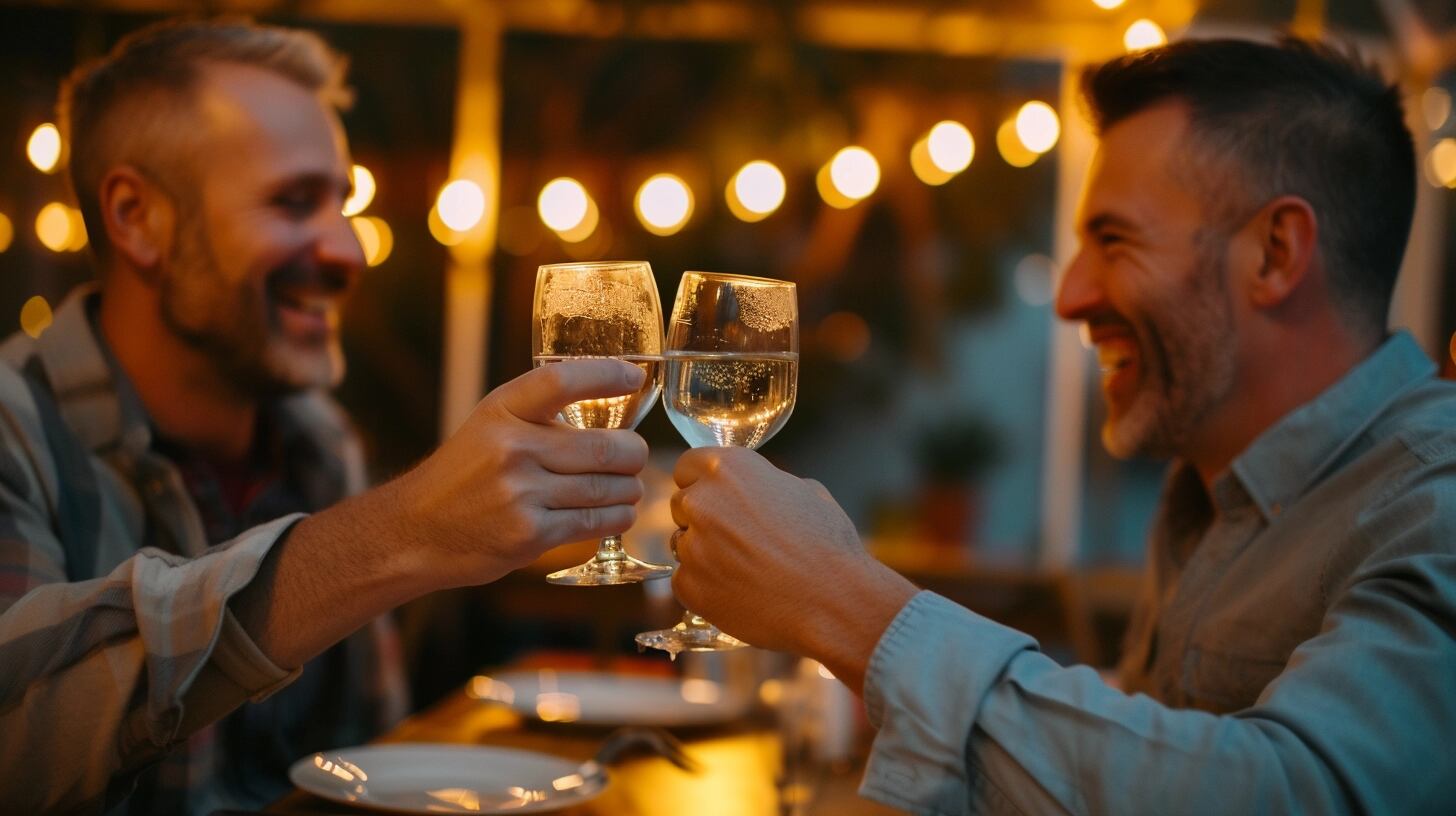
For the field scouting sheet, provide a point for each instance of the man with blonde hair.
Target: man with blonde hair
(186, 544)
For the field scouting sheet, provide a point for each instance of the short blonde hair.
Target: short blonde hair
(127, 107)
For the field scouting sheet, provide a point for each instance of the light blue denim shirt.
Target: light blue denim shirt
(1295, 650)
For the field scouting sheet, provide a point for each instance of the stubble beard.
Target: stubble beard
(1186, 347)
(232, 326)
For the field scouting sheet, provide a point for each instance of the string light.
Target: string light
(35, 316)
(1037, 126)
(1009, 145)
(44, 148)
(664, 203)
(756, 191)
(375, 238)
(363, 191)
(563, 204)
(461, 204)
(1142, 35)
(7, 232)
(854, 174)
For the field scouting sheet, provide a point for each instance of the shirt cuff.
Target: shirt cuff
(923, 689)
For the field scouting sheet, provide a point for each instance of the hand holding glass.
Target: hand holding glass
(732, 364)
(605, 309)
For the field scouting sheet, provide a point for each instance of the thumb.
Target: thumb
(538, 395)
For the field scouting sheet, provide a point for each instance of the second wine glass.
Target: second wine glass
(732, 363)
(602, 309)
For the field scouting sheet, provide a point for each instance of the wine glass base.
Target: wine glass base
(682, 638)
(627, 570)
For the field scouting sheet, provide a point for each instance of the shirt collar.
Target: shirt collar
(1293, 454)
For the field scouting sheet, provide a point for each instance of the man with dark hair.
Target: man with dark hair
(183, 521)
(1295, 647)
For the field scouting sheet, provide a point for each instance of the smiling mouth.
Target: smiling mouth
(311, 304)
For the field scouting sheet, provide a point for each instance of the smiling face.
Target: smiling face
(263, 256)
(1150, 285)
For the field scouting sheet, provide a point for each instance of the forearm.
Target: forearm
(845, 622)
(333, 573)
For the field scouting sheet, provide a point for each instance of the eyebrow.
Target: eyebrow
(1104, 220)
(344, 184)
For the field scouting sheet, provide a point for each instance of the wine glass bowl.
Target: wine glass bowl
(732, 364)
(602, 309)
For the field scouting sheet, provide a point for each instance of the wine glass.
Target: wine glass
(602, 309)
(732, 363)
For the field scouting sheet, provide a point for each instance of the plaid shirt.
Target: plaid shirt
(118, 653)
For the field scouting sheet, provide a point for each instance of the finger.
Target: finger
(579, 523)
(568, 450)
(677, 504)
(819, 489)
(539, 394)
(695, 464)
(557, 492)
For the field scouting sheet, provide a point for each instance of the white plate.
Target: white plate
(427, 778)
(598, 698)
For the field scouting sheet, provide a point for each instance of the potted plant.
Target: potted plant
(953, 454)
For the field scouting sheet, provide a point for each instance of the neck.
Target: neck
(189, 400)
(1274, 380)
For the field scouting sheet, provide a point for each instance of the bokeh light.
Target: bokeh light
(363, 191)
(1108, 4)
(375, 238)
(441, 232)
(854, 173)
(1037, 126)
(844, 336)
(1436, 105)
(664, 203)
(924, 166)
(461, 205)
(951, 146)
(756, 191)
(35, 316)
(60, 228)
(1441, 164)
(563, 204)
(44, 148)
(1142, 35)
(1009, 145)
(7, 232)
(585, 227)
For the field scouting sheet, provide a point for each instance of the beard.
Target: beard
(1186, 343)
(235, 323)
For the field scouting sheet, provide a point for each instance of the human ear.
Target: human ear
(138, 216)
(1286, 232)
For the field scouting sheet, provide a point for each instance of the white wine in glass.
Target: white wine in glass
(602, 309)
(732, 375)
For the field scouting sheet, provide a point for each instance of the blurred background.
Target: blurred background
(913, 165)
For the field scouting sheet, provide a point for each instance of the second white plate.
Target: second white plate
(603, 699)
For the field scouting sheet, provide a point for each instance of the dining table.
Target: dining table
(745, 766)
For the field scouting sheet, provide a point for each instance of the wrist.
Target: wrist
(854, 616)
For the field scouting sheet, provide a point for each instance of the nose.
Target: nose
(338, 245)
(1079, 294)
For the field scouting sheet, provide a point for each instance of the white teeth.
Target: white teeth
(313, 304)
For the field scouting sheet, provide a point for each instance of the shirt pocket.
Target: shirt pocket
(1224, 681)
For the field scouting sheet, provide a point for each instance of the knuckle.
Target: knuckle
(596, 488)
(599, 449)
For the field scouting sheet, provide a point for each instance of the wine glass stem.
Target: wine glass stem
(610, 549)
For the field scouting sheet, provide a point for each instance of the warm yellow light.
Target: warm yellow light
(951, 146)
(664, 204)
(53, 227)
(375, 238)
(7, 232)
(1436, 104)
(1108, 4)
(585, 227)
(461, 205)
(829, 192)
(1441, 163)
(563, 204)
(363, 192)
(924, 166)
(442, 232)
(756, 191)
(1142, 35)
(854, 172)
(1009, 145)
(78, 230)
(1037, 126)
(44, 148)
(35, 316)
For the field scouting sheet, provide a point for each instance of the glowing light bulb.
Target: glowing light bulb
(1037, 126)
(44, 148)
(756, 191)
(563, 204)
(461, 205)
(35, 316)
(854, 173)
(363, 192)
(53, 227)
(951, 146)
(1142, 35)
(664, 203)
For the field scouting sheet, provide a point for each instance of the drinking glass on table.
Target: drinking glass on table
(732, 363)
(602, 309)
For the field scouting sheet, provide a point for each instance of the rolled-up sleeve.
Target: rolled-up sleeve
(974, 719)
(100, 677)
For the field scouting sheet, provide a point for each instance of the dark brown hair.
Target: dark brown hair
(1297, 118)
